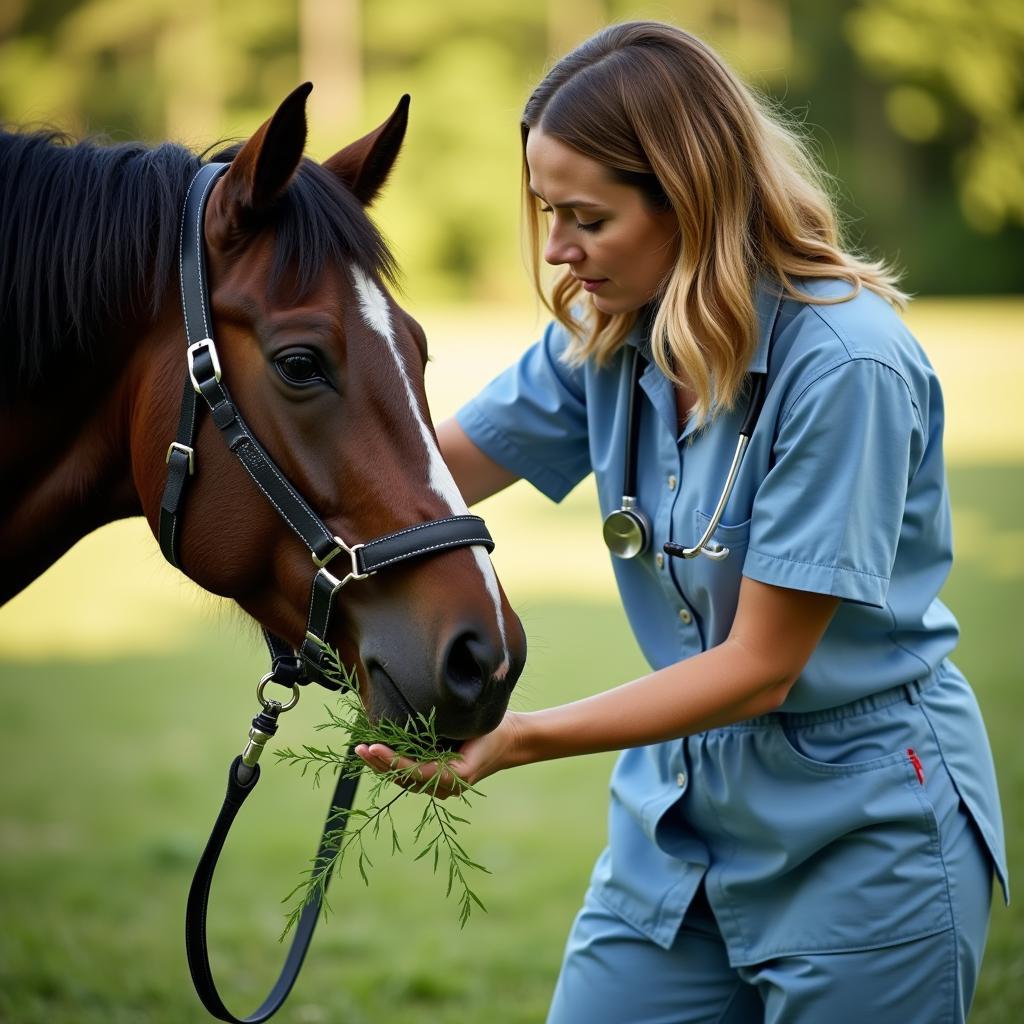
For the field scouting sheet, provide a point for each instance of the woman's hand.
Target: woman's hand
(478, 758)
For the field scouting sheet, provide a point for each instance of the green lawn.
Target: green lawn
(113, 770)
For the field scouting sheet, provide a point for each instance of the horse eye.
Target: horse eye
(299, 368)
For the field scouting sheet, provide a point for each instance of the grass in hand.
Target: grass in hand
(434, 836)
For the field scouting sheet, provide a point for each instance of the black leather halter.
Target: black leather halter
(204, 381)
(289, 667)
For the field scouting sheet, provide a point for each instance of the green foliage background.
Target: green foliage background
(914, 105)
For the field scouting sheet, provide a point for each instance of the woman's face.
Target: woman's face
(618, 247)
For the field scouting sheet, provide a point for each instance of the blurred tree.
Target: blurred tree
(188, 50)
(913, 105)
(898, 197)
(958, 70)
(453, 204)
(330, 57)
(183, 69)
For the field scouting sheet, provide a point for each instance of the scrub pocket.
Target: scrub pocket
(824, 828)
(714, 587)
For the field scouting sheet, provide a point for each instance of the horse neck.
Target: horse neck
(64, 471)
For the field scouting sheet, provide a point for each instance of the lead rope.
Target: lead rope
(243, 774)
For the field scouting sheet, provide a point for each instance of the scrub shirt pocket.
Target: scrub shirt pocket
(841, 848)
(733, 537)
(714, 586)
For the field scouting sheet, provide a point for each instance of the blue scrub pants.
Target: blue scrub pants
(614, 974)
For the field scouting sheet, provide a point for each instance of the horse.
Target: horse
(325, 370)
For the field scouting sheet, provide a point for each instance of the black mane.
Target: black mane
(88, 244)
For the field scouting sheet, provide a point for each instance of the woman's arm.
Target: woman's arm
(773, 635)
(477, 475)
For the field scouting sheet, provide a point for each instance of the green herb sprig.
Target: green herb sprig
(436, 832)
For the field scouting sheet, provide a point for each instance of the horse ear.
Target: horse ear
(263, 167)
(364, 165)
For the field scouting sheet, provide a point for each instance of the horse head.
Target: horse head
(327, 370)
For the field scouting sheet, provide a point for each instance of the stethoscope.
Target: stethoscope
(627, 530)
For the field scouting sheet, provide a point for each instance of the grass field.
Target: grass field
(123, 696)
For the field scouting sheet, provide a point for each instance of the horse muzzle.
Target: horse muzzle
(467, 689)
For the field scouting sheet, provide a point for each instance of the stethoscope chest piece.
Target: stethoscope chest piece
(627, 533)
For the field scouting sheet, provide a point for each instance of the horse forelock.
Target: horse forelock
(88, 245)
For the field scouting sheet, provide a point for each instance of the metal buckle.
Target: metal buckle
(321, 562)
(190, 355)
(355, 574)
(188, 451)
(322, 646)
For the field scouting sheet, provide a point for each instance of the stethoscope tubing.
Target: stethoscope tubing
(632, 427)
(627, 530)
(705, 546)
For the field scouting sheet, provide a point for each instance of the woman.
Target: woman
(804, 819)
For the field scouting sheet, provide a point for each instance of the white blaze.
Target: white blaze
(377, 314)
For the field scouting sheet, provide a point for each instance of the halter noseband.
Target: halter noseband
(204, 381)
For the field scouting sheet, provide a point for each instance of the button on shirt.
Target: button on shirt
(842, 491)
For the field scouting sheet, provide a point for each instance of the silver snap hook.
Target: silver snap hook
(266, 702)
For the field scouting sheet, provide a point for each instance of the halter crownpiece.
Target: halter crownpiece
(204, 381)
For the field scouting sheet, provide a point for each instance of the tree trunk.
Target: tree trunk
(190, 59)
(330, 40)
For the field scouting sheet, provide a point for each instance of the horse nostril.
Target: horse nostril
(465, 670)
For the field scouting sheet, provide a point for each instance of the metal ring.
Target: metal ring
(268, 678)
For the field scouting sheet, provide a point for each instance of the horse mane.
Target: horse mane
(89, 244)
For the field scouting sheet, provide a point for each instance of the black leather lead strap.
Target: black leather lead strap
(199, 895)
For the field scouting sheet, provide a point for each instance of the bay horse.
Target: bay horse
(324, 365)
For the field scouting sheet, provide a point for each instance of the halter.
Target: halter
(289, 667)
(204, 381)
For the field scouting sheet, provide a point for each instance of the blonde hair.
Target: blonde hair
(662, 112)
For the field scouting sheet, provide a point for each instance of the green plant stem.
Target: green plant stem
(436, 831)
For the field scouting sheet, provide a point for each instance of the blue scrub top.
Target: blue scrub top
(842, 491)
